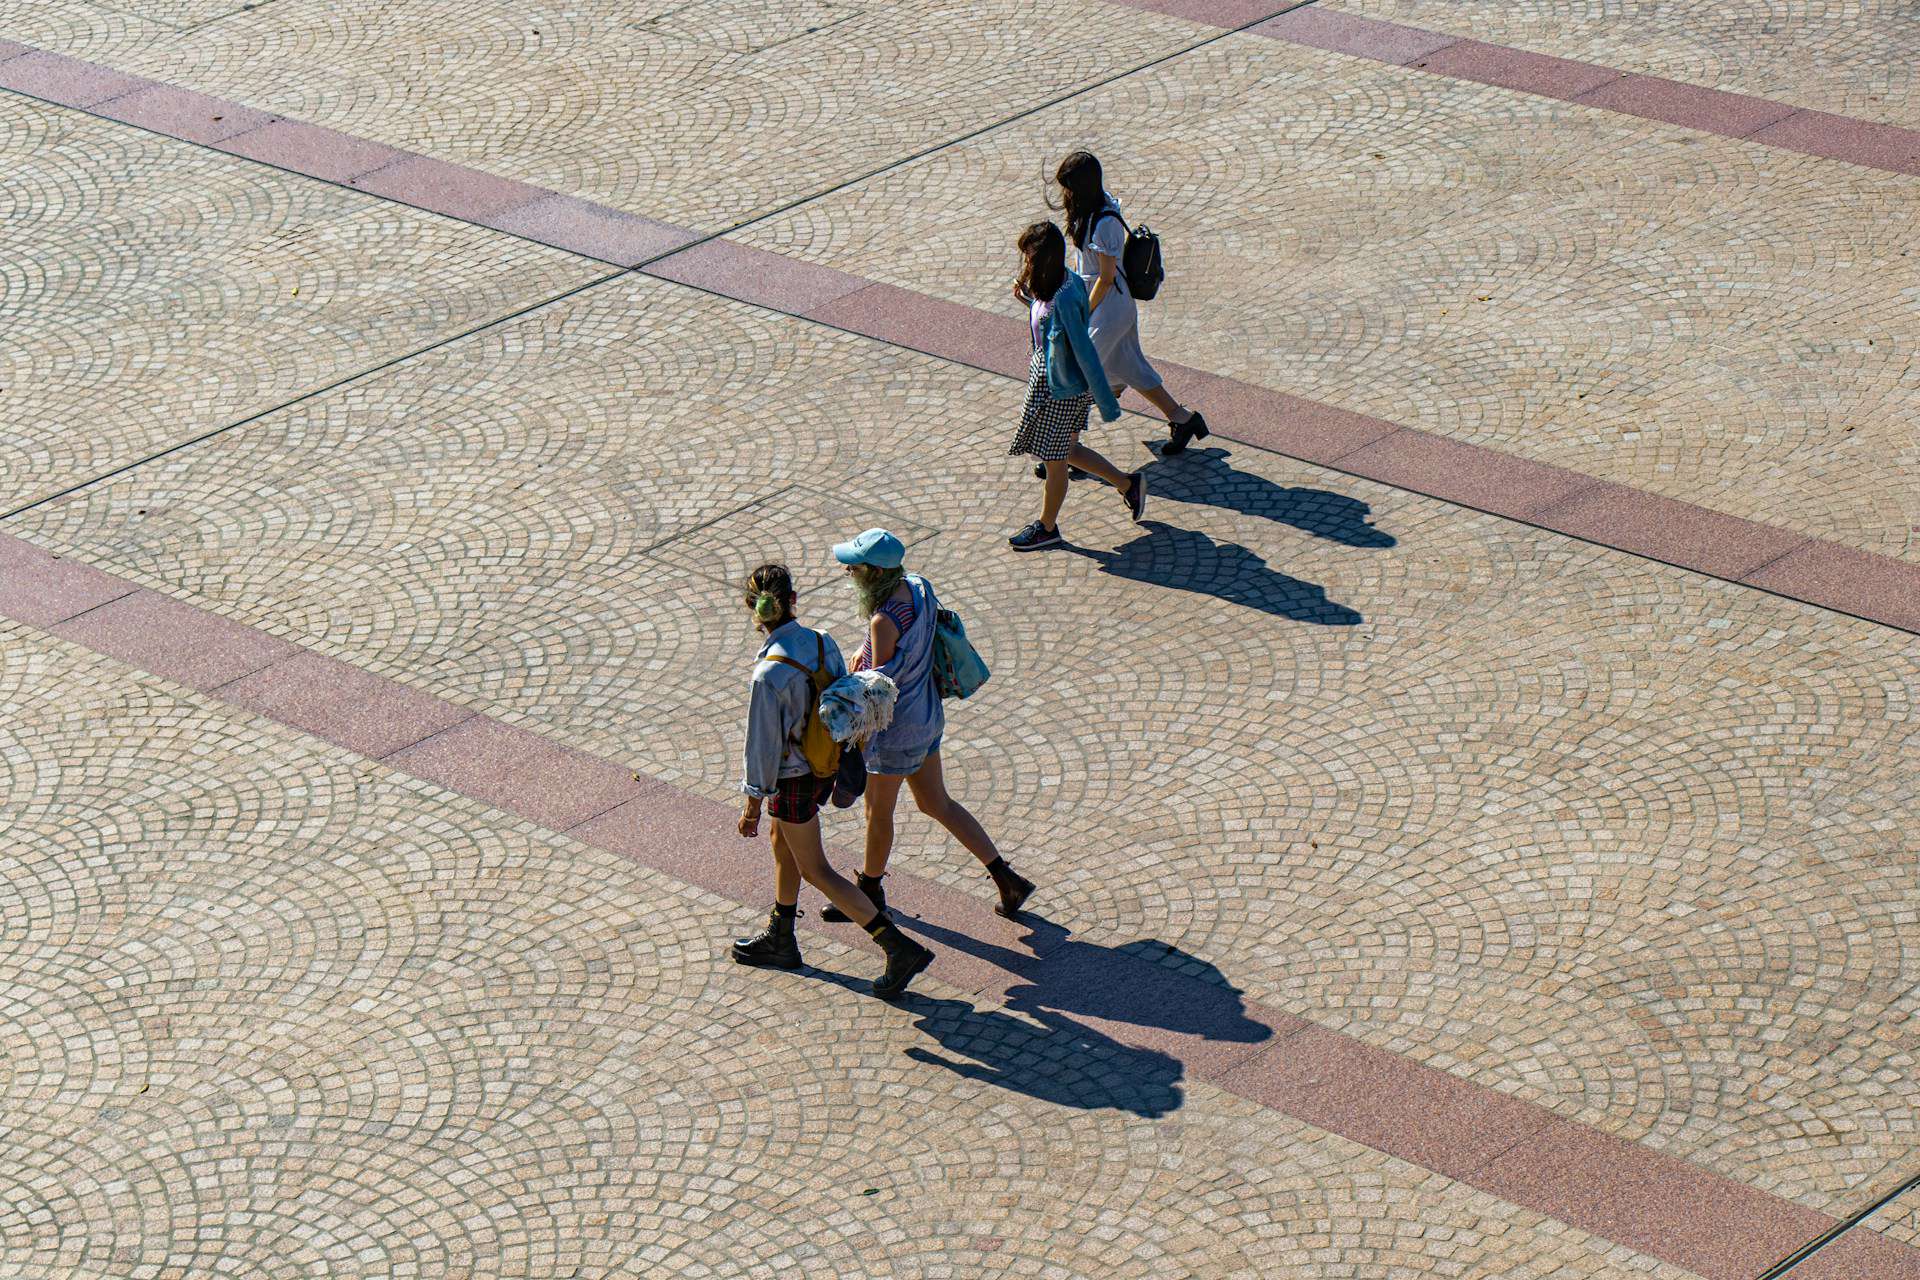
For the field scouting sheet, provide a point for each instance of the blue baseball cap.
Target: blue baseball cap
(876, 547)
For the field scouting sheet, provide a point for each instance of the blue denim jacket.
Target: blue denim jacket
(1073, 366)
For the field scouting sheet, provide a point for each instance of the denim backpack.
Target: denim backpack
(958, 668)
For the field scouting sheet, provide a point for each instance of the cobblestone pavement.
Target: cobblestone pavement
(155, 291)
(278, 1011)
(1854, 57)
(1560, 823)
(1549, 817)
(702, 114)
(1705, 318)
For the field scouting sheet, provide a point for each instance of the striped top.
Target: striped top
(900, 613)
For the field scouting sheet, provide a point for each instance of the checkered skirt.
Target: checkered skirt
(1048, 427)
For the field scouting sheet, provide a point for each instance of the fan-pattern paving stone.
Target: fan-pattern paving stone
(1711, 320)
(279, 1011)
(155, 291)
(1851, 57)
(700, 114)
(1899, 1220)
(1626, 841)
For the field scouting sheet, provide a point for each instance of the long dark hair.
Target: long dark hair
(768, 591)
(1083, 193)
(1043, 265)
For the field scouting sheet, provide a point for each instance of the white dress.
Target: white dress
(1115, 324)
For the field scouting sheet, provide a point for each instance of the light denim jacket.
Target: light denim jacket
(1073, 366)
(777, 707)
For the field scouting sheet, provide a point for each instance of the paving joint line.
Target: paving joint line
(1830, 1236)
(1527, 518)
(637, 268)
(309, 394)
(982, 131)
(707, 861)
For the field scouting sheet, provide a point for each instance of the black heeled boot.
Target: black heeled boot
(1014, 888)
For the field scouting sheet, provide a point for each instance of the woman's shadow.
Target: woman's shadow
(1188, 560)
(1206, 477)
(1043, 1044)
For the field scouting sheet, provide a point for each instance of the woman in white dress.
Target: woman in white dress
(1099, 237)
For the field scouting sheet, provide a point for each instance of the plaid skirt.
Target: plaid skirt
(1048, 427)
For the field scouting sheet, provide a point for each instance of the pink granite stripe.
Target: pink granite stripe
(342, 703)
(42, 590)
(1612, 1188)
(183, 114)
(311, 150)
(1709, 110)
(1856, 582)
(521, 772)
(1734, 115)
(11, 49)
(1860, 1254)
(1861, 142)
(451, 189)
(591, 230)
(1361, 37)
(1227, 14)
(67, 81)
(1516, 69)
(175, 640)
(1629, 519)
(738, 271)
(1673, 1210)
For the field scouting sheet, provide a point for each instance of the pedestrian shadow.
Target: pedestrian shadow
(1043, 1044)
(1188, 560)
(1206, 477)
(1144, 984)
(1043, 1056)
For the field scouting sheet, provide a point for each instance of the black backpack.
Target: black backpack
(1139, 258)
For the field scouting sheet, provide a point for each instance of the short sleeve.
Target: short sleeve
(1107, 237)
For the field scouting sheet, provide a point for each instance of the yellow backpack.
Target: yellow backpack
(816, 744)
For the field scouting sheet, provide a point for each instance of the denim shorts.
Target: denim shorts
(898, 764)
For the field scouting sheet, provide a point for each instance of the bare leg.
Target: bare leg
(803, 846)
(1166, 404)
(929, 787)
(1055, 493)
(883, 793)
(786, 873)
(1092, 463)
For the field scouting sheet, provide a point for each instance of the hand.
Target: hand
(750, 820)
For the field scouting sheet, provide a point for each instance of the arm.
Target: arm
(1074, 322)
(884, 638)
(1104, 284)
(766, 742)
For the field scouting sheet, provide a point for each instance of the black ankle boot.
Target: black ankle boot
(905, 958)
(773, 947)
(1014, 888)
(869, 885)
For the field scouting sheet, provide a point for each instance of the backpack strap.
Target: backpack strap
(816, 673)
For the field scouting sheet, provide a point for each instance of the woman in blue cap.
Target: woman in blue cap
(900, 609)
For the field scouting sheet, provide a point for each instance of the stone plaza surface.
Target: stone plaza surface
(358, 986)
